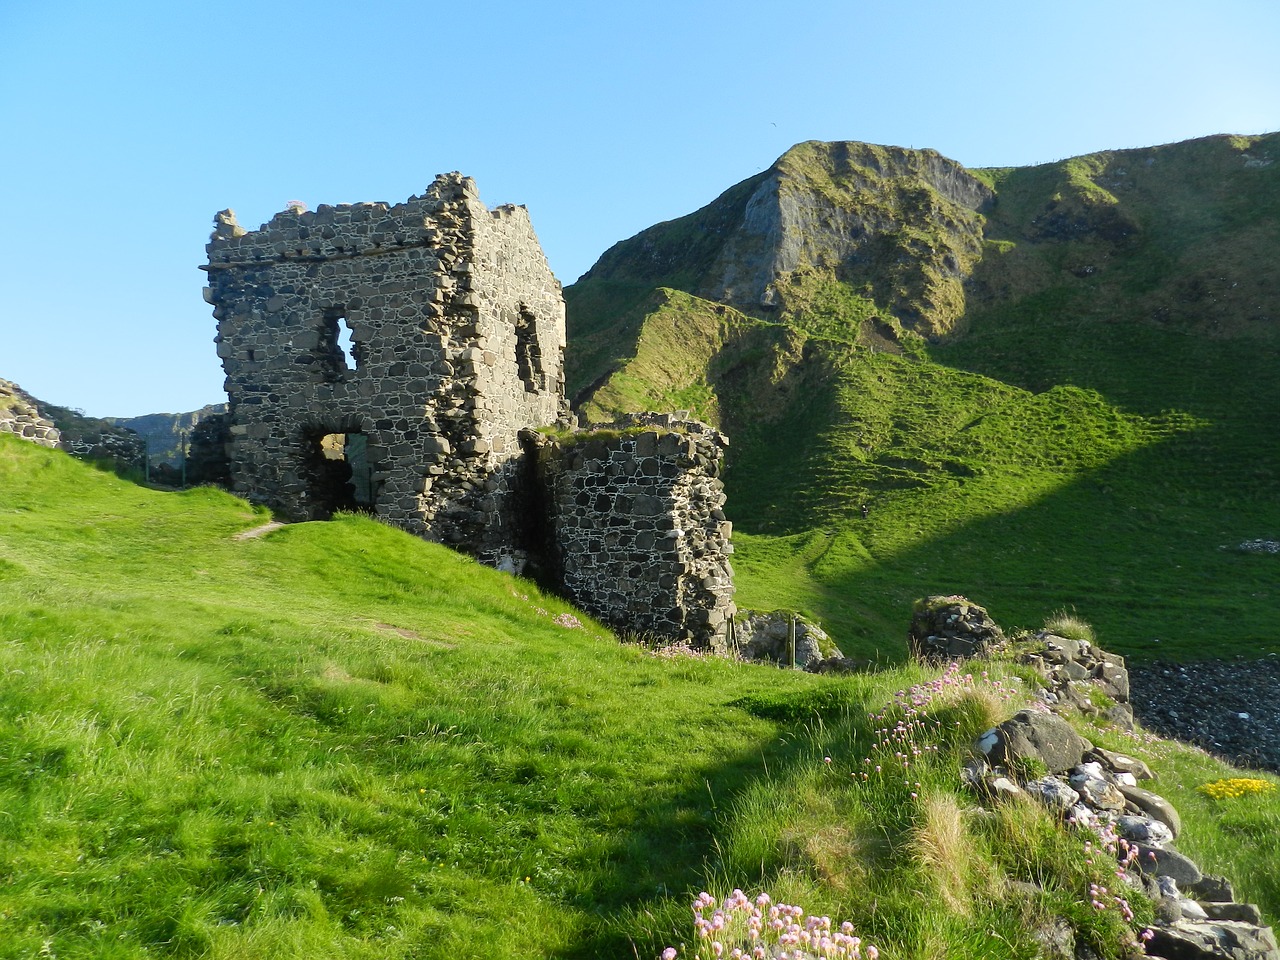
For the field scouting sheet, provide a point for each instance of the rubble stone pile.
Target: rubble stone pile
(944, 628)
(1037, 754)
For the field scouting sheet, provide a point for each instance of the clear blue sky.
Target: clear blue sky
(126, 125)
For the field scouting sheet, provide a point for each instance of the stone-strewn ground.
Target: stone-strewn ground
(1229, 707)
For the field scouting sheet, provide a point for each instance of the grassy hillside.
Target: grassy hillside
(336, 740)
(1101, 435)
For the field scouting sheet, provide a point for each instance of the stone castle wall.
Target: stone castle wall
(456, 326)
(638, 530)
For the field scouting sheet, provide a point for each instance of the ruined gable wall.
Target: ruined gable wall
(404, 279)
(513, 305)
(639, 529)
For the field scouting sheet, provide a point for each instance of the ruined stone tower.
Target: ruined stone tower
(384, 358)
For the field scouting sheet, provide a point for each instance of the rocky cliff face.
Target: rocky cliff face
(899, 229)
(901, 226)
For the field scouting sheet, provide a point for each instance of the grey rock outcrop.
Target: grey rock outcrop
(1075, 670)
(767, 636)
(1196, 916)
(1034, 736)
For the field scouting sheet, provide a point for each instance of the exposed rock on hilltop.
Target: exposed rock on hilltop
(900, 229)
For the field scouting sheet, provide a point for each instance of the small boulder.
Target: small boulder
(1054, 793)
(1213, 888)
(1194, 939)
(767, 636)
(1240, 912)
(1144, 830)
(1167, 863)
(1153, 806)
(1031, 735)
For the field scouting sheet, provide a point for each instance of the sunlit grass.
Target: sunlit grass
(339, 741)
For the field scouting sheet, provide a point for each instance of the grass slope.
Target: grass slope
(336, 740)
(1100, 438)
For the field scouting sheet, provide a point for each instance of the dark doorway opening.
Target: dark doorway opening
(340, 473)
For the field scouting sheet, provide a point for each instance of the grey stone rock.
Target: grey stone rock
(1032, 735)
(766, 636)
(1212, 888)
(1002, 788)
(1098, 793)
(1167, 863)
(1200, 940)
(1240, 912)
(1054, 793)
(1192, 910)
(1144, 830)
(1154, 806)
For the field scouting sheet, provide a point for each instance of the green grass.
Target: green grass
(337, 740)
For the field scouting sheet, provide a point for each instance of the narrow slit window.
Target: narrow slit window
(339, 351)
(528, 355)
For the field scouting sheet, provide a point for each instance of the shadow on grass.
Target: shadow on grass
(1143, 548)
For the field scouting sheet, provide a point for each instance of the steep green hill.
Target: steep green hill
(335, 740)
(1057, 386)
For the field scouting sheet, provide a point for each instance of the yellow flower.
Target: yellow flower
(1232, 787)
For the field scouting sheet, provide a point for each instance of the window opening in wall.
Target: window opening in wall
(338, 350)
(340, 473)
(528, 354)
(347, 345)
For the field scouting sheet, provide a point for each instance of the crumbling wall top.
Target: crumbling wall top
(350, 229)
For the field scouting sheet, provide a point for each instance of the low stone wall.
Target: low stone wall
(20, 415)
(52, 426)
(638, 535)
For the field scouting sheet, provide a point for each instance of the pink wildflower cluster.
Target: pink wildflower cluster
(900, 745)
(763, 930)
(676, 651)
(949, 683)
(1125, 854)
(566, 620)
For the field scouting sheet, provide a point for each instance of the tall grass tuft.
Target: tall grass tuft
(1065, 624)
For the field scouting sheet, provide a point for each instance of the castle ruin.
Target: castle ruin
(387, 359)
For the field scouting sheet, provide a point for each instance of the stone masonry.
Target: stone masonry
(52, 426)
(20, 414)
(456, 336)
(639, 535)
(399, 360)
